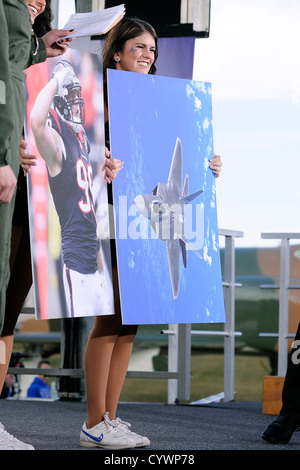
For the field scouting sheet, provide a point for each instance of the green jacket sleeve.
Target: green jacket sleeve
(6, 102)
(36, 55)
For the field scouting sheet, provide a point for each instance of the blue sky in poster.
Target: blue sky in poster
(147, 114)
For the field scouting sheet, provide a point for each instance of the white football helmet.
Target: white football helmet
(69, 96)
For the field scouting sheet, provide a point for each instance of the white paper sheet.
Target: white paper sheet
(96, 22)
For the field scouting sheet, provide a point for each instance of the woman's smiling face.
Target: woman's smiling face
(35, 7)
(137, 55)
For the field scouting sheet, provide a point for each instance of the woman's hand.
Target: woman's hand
(26, 160)
(216, 165)
(55, 42)
(113, 166)
(8, 183)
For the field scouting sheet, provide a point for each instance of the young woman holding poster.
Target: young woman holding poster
(130, 46)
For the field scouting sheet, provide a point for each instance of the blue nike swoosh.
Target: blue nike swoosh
(97, 439)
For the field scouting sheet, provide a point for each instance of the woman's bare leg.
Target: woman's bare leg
(97, 365)
(118, 367)
(107, 357)
(8, 342)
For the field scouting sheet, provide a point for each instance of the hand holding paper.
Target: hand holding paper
(57, 42)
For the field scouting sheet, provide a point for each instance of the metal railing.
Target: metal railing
(179, 345)
(284, 286)
(179, 342)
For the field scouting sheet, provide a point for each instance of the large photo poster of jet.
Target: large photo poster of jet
(165, 204)
(67, 188)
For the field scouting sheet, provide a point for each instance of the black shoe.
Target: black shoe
(281, 430)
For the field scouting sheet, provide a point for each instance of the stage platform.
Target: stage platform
(55, 425)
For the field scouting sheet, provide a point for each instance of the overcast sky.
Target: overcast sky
(252, 60)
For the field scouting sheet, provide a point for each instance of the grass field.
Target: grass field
(206, 379)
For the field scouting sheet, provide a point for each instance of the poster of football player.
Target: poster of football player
(68, 188)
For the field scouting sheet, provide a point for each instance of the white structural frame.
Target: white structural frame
(284, 286)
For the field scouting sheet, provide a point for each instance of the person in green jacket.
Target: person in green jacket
(19, 48)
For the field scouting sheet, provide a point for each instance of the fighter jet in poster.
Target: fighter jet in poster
(165, 208)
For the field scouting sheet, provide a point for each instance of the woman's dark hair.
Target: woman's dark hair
(42, 23)
(127, 28)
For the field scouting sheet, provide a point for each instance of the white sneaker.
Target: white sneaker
(105, 435)
(8, 442)
(140, 441)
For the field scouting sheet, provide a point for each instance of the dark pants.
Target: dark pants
(20, 279)
(291, 387)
